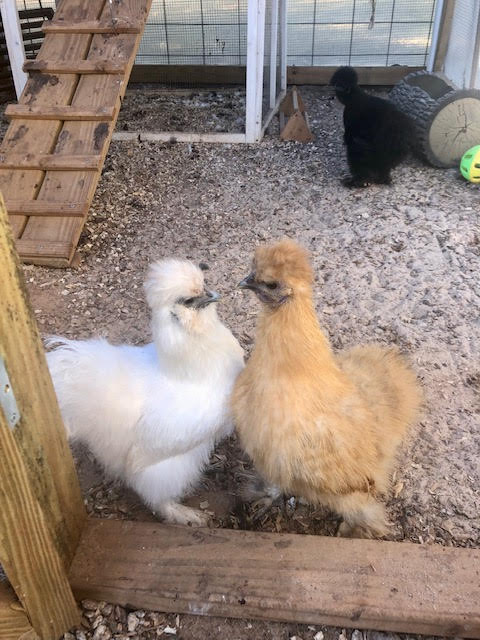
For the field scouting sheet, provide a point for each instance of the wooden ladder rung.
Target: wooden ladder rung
(46, 208)
(91, 26)
(51, 248)
(78, 66)
(50, 162)
(69, 112)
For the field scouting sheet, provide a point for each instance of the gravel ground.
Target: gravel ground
(397, 264)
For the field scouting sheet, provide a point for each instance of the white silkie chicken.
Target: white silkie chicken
(152, 414)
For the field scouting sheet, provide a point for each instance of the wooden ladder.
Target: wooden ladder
(54, 149)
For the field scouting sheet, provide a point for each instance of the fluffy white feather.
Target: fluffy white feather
(151, 415)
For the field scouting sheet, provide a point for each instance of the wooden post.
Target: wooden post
(443, 36)
(14, 39)
(41, 508)
(255, 63)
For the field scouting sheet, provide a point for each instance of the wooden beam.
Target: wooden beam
(67, 112)
(76, 66)
(196, 75)
(211, 75)
(91, 26)
(178, 136)
(364, 584)
(383, 76)
(40, 436)
(46, 208)
(49, 161)
(14, 624)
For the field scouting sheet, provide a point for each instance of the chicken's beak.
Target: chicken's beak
(248, 282)
(203, 301)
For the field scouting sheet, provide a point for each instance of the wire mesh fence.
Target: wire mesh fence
(320, 32)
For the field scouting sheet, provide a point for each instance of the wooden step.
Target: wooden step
(92, 26)
(76, 66)
(58, 112)
(364, 584)
(46, 208)
(46, 248)
(49, 161)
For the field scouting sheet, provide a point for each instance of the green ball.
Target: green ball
(470, 164)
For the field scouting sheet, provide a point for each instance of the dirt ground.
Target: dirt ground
(398, 265)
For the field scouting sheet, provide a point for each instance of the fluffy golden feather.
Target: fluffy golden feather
(320, 426)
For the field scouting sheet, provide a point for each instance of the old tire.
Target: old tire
(447, 120)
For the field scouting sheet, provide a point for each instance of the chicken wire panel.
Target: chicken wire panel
(359, 32)
(183, 33)
(206, 32)
(320, 32)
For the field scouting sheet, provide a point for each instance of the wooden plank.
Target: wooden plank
(27, 550)
(292, 102)
(383, 76)
(52, 248)
(66, 112)
(364, 584)
(211, 75)
(194, 75)
(87, 137)
(34, 540)
(76, 66)
(445, 30)
(14, 624)
(39, 12)
(50, 161)
(41, 434)
(297, 129)
(92, 26)
(45, 208)
(178, 136)
(46, 90)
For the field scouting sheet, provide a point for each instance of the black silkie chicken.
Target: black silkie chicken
(377, 135)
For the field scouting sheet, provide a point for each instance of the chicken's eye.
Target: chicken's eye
(271, 285)
(187, 302)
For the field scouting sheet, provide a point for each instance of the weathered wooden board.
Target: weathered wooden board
(14, 624)
(50, 161)
(58, 113)
(41, 507)
(45, 208)
(94, 26)
(318, 580)
(209, 75)
(91, 86)
(78, 66)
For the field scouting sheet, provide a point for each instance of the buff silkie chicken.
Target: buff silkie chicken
(152, 414)
(321, 426)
